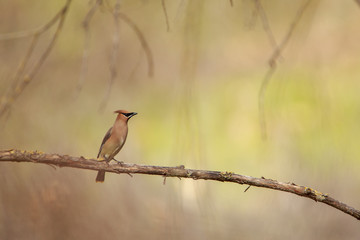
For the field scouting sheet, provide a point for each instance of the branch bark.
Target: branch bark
(179, 171)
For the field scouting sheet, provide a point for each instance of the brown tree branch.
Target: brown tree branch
(180, 172)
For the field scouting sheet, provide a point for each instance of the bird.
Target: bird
(114, 140)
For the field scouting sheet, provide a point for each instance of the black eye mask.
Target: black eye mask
(129, 114)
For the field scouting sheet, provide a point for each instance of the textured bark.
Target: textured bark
(180, 172)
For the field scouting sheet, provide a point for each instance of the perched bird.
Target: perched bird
(114, 140)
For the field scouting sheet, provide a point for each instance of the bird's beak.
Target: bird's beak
(132, 114)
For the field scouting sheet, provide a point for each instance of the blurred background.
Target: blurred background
(200, 109)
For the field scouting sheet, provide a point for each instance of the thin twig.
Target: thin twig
(51, 44)
(179, 172)
(247, 188)
(251, 21)
(166, 15)
(263, 88)
(39, 30)
(90, 14)
(136, 66)
(272, 63)
(114, 56)
(85, 57)
(19, 86)
(23, 63)
(143, 42)
(266, 26)
(265, 23)
(276, 54)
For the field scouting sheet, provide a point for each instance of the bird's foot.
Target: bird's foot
(101, 159)
(119, 162)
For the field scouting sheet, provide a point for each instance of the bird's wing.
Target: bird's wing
(107, 136)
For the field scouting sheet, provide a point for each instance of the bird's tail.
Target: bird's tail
(100, 176)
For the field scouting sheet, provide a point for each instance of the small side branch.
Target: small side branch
(85, 57)
(143, 42)
(265, 23)
(179, 172)
(166, 15)
(114, 56)
(273, 61)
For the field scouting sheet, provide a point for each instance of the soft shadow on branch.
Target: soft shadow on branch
(180, 172)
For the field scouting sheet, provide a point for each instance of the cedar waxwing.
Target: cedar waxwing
(114, 140)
